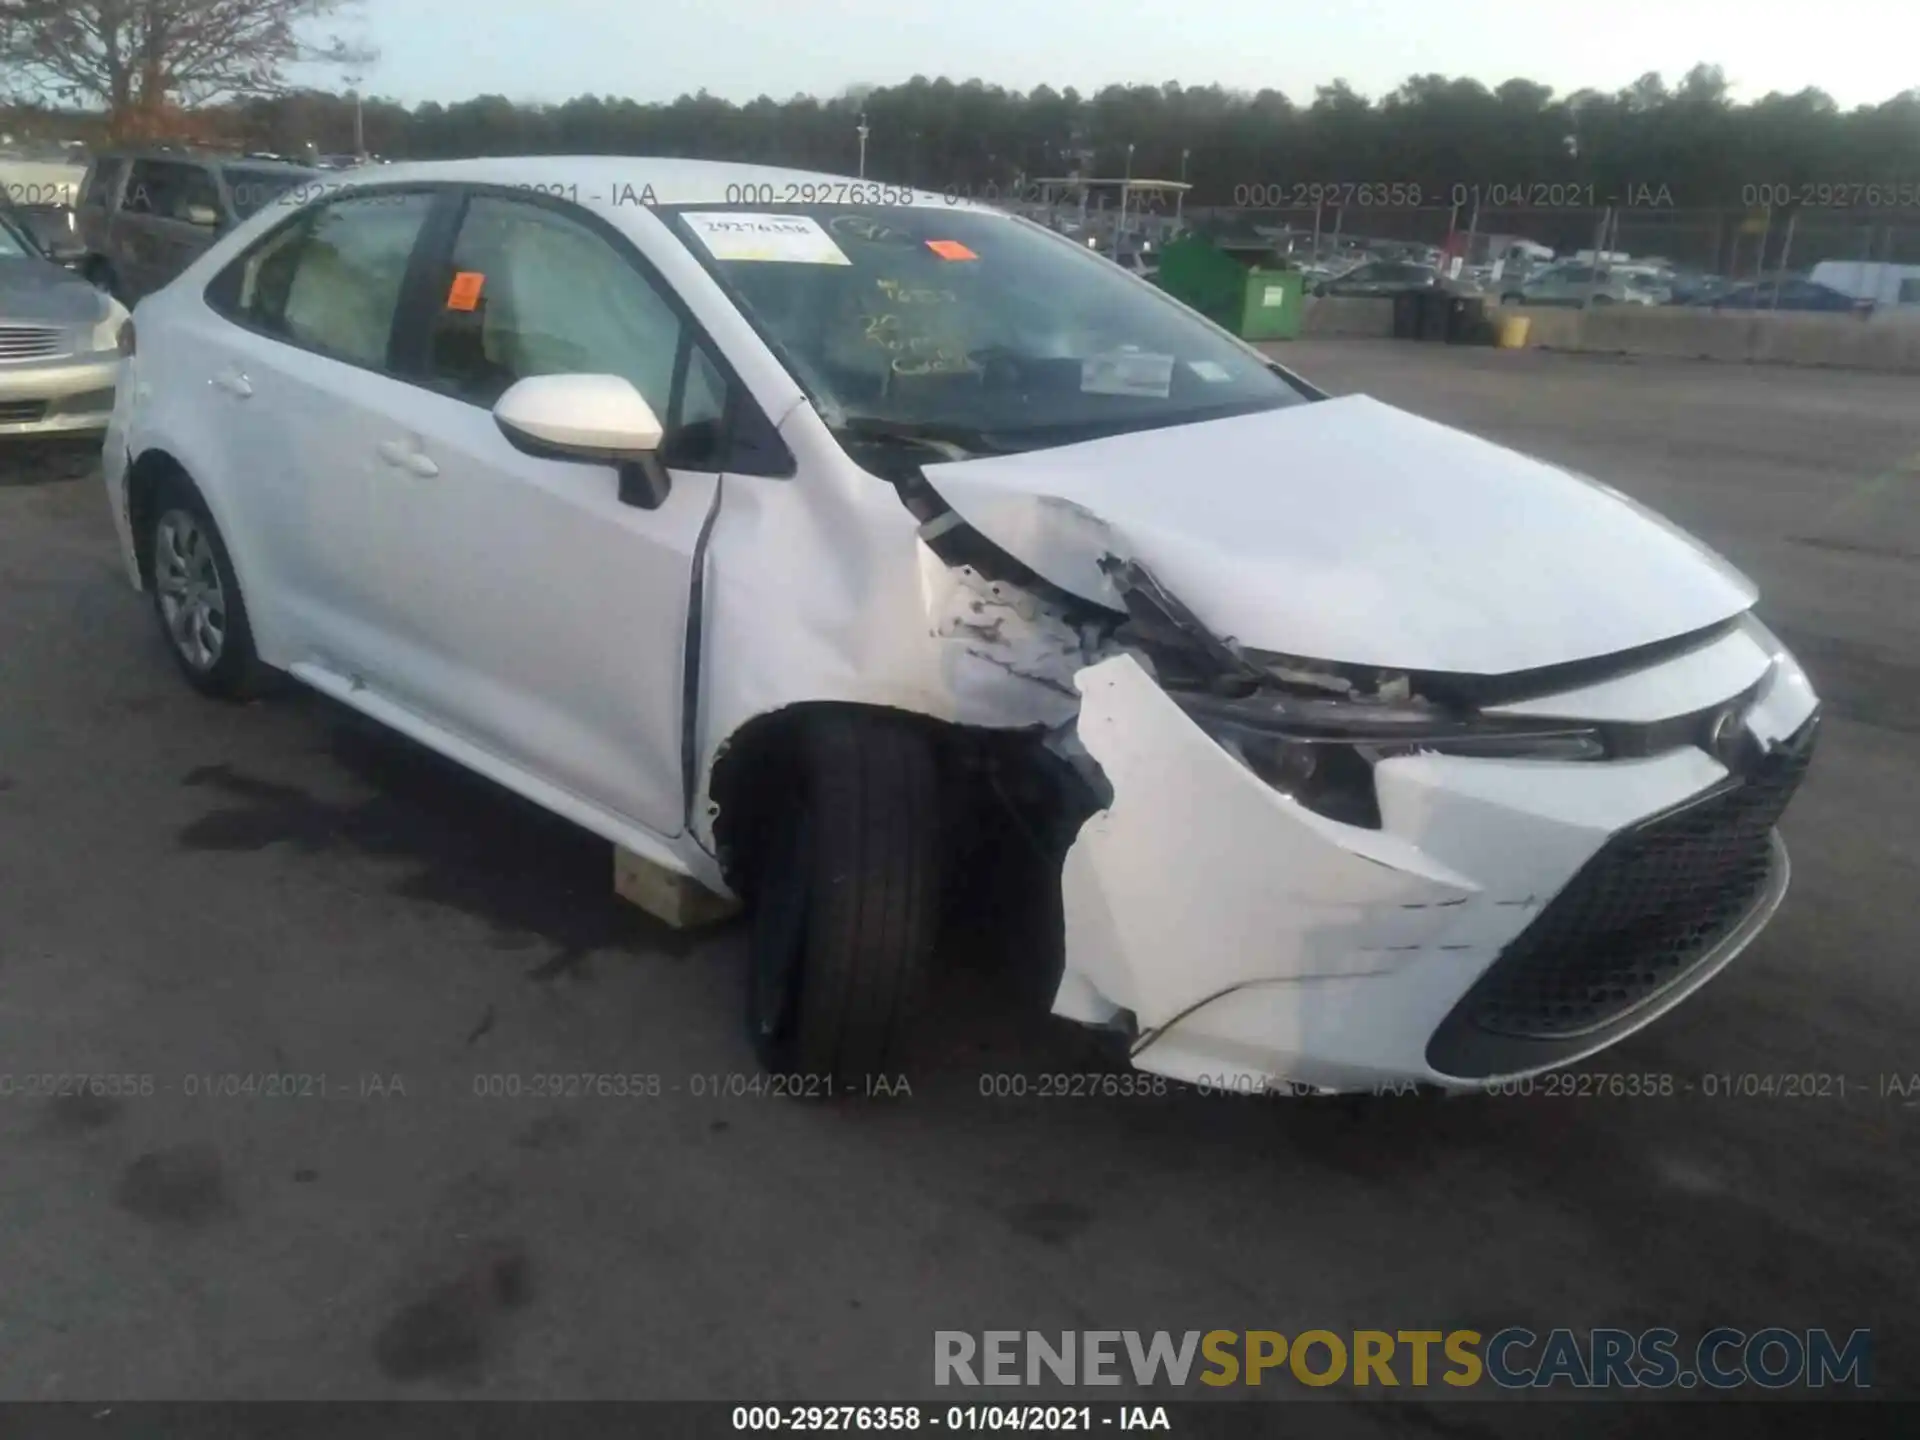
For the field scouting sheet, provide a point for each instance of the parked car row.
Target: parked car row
(59, 341)
(1586, 284)
(1388, 277)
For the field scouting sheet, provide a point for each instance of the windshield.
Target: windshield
(972, 324)
(14, 245)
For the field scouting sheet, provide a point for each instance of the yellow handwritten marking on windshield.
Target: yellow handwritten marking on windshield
(863, 227)
(938, 364)
(916, 295)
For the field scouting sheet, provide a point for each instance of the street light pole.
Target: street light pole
(359, 118)
(1180, 195)
(1120, 230)
(861, 131)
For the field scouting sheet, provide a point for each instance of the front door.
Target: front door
(528, 609)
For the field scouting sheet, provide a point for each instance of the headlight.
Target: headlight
(106, 335)
(1322, 750)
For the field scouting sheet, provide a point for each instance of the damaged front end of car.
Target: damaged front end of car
(1281, 870)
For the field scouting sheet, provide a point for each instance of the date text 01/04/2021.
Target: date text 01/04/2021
(1612, 1085)
(1060, 1418)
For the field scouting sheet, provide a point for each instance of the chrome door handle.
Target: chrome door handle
(403, 456)
(234, 383)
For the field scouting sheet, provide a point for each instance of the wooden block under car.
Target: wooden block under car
(679, 900)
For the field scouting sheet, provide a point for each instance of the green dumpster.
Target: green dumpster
(1241, 286)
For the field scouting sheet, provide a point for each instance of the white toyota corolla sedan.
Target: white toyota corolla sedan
(759, 521)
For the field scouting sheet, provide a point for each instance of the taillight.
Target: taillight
(126, 339)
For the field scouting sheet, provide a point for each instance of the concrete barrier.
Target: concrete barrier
(1346, 316)
(1678, 331)
(1883, 342)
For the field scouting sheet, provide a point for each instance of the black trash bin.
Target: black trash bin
(1406, 315)
(1433, 313)
(1466, 320)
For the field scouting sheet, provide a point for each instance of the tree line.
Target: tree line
(218, 70)
(1685, 146)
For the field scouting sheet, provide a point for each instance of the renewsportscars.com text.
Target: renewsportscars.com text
(1514, 1358)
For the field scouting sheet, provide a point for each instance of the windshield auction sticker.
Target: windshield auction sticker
(1127, 373)
(792, 239)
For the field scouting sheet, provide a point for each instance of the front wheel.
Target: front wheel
(846, 892)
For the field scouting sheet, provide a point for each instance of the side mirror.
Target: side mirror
(596, 419)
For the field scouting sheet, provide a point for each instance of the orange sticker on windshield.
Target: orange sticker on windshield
(951, 250)
(464, 293)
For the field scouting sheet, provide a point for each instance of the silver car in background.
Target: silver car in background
(59, 343)
(1579, 283)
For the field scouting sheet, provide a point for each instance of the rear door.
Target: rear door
(169, 213)
(299, 376)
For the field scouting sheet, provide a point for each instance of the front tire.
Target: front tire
(846, 897)
(196, 596)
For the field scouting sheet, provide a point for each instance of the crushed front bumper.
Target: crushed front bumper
(68, 395)
(1509, 916)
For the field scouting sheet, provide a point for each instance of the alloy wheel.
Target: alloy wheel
(187, 579)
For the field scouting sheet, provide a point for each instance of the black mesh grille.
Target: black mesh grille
(22, 412)
(1640, 913)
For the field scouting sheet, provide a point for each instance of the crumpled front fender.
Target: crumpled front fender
(1144, 883)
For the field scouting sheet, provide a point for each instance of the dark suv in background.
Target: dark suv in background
(146, 215)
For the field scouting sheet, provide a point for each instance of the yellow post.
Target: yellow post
(1514, 330)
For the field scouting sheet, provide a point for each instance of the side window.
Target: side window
(195, 199)
(102, 182)
(331, 281)
(697, 437)
(151, 188)
(535, 293)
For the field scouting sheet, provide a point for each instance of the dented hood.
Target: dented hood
(1350, 531)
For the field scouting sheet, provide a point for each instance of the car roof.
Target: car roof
(202, 157)
(612, 182)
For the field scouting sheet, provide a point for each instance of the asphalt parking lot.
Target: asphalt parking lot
(190, 892)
